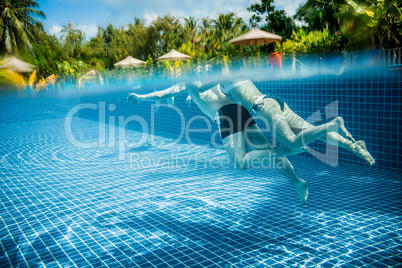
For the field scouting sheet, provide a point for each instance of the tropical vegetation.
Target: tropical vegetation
(18, 24)
(325, 26)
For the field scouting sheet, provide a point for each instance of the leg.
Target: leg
(298, 124)
(236, 146)
(301, 186)
(256, 140)
(282, 131)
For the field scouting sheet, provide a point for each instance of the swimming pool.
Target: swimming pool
(167, 203)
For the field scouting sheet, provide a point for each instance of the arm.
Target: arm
(189, 101)
(158, 95)
(201, 87)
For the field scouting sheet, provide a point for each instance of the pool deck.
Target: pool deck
(62, 205)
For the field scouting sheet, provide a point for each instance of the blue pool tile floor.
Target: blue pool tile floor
(66, 206)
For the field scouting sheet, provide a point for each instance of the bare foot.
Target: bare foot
(342, 129)
(302, 191)
(359, 148)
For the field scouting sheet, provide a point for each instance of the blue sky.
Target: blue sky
(88, 14)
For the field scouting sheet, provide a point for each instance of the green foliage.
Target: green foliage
(264, 8)
(69, 69)
(169, 33)
(318, 15)
(191, 30)
(320, 42)
(379, 19)
(224, 28)
(44, 52)
(17, 20)
(362, 23)
(276, 21)
(149, 63)
(330, 26)
(281, 24)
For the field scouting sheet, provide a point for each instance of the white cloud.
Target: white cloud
(55, 30)
(149, 17)
(180, 8)
(122, 12)
(289, 6)
(89, 30)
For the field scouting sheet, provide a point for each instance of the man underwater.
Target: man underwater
(238, 129)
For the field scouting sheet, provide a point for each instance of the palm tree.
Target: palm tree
(206, 24)
(73, 39)
(191, 29)
(206, 33)
(68, 30)
(168, 32)
(17, 24)
(226, 26)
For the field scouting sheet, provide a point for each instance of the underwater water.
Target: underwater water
(64, 206)
(82, 184)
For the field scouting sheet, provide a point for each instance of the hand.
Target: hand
(132, 97)
(189, 101)
(197, 84)
(157, 106)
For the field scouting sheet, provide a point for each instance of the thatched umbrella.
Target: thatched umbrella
(18, 66)
(174, 55)
(129, 62)
(256, 37)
